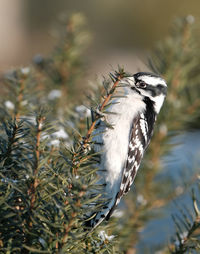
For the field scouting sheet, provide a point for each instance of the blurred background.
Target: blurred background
(120, 29)
(121, 32)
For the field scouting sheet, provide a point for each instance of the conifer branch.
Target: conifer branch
(76, 161)
(68, 227)
(187, 240)
(117, 77)
(34, 185)
(11, 140)
(73, 215)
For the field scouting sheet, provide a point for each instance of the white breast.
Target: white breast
(115, 141)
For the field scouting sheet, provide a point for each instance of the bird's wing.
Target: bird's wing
(139, 139)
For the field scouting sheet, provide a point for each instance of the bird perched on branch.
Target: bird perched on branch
(132, 115)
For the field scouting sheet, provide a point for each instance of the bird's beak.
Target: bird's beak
(130, 81)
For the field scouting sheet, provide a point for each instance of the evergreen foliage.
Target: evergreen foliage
(48, 176)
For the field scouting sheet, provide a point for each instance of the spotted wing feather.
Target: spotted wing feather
(137, 145)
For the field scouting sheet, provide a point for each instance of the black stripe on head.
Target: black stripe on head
(149, 114)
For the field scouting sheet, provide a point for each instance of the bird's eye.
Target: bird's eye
(142, 84)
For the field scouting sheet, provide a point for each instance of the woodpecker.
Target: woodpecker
(121, 148)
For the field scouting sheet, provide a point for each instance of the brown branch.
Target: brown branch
(105, 102)
(34, 185)
(73, 215)
(68, 227)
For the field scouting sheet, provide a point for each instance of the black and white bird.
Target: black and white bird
(122, 147)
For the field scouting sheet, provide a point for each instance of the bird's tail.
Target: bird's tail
(104, 214)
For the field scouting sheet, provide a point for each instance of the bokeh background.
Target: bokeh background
(121, 32)
(120, 29)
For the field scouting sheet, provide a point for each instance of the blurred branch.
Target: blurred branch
(188, 239)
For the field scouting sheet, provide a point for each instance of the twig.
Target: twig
(34, 185)
(106, 100)
(73, 215)
(68, 227)
(118, 76)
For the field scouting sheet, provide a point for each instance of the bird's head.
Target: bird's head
(150, 85)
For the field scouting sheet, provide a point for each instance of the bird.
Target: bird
(133, 112)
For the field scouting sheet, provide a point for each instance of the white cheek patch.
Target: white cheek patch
(158, 102)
